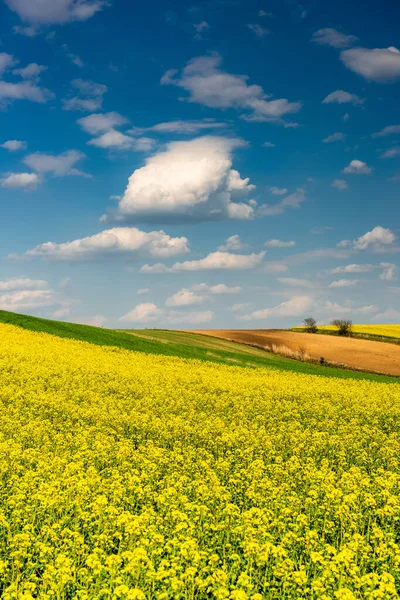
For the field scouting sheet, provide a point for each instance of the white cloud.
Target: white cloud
(95, 321)
(25, 90)
(332, 37)
(232, 243)
(389, 130)
(269, 145)
(357, 167)
(144, 144)
(339, 184)
(119, 241)
(185, 127)
(31, 71)
(239, 307)
(334, 137)
(101, 122)
(217, 289)
(354, 268)
(184, 297)
(279, 244)
(55, 12)
(213, 261)
(340, 283)
(200, 28)
(259, 30)
(296, 306)
(195, 318)
(22, 283)
(377, 238)
(113, 139)
(277, 191)
(142, 313)
(59, 166)
(89, 98)
(389, 272)
(14, 145)
(208, 85)
(390, 315)
(189, 180)
(296, 282)
(32, 297)
(292, 201)
(75, 59)
(378, 64)
(143, 291)
(148, 312)
(391, 152)
(20, 181)
(342, 97)
(6, 61)
(26, 31)
(334, 309)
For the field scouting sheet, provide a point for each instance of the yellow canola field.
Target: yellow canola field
(382, 330)
(131, 476)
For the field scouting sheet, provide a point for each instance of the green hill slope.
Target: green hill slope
(185, 345)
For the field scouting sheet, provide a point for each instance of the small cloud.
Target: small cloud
(60, 166)
(30, 31)
(31, 71)
(215, 261)
(292, 201)
(342, 97)
(95, 321)
(207, 84)
(200, 28)
(269, 145)
(113, 139)
(239, 307)
(279, 244)
(51, 12)
(340, 283)
(332, 37)
(335, 137)
(377, 238)
(143, 291)
(353, 268)
(277, 191)
(184, 297)
(339, 184)
(259, 30)
(357, 167)
(374, 64)
(389, 272)
(232, 244)
(20, 181)
(142, 313)
(294, 307)
(101, 122)
(14, 145)
(117, 242)
(389, 130)
(74, 58)
(89, 96)
(391, 153)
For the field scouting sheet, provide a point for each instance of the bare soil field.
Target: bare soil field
(366, 355)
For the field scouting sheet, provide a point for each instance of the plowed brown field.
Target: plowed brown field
(366, 355)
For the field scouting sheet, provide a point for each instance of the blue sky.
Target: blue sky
(220, 164)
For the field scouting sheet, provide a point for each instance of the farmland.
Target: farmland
(368, 355)
(131, 475)
(181, 344)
